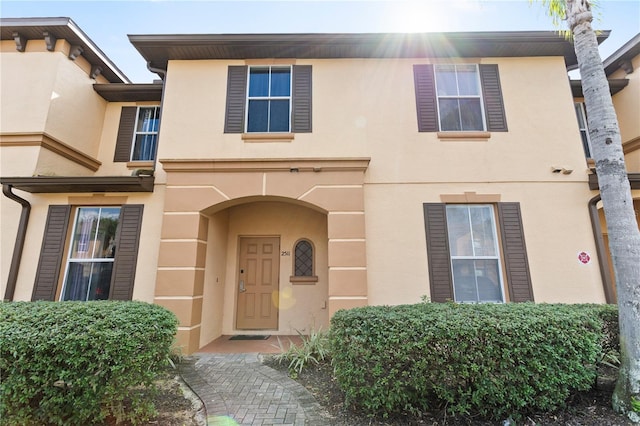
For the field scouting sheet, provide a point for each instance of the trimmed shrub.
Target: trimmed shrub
(491, 360)
(77, 363)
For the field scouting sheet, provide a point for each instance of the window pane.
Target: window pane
(476, 280)
(106, 236)
(484, 243)
(279, 120)
(464, 282)
(259, 82)
(578, 107)
(144, 148)
(471, 114)
(446, 80)
(449, 114)
(147, 120)
(84, 233)
(280, 81)
(94, 233)
(488, 280)
(459, 231)
(585, 143)
(467, 80)
(304, 259)
(258, 116)
(88, 281)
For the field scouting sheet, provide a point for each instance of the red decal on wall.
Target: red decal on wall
(584, 257)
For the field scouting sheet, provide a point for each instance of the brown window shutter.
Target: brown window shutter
(127, 240)
(492, 96)
(236, 99)
(426, 102)
(125, 134)
(49, 265)
(515, 252)
(301, 93)
(438, 255)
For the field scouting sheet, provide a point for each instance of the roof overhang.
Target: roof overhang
(615, 85)
(158, 50)
(634, 181)
(122, 92)
(80, 184)
(622, 57)
(66, 29)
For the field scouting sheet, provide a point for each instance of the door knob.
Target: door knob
(242, 289)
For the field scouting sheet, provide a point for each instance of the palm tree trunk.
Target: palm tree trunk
(624, 236)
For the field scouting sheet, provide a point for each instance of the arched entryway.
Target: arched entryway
(214, 209)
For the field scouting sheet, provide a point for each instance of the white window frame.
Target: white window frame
(478, 96)
(497, 249)
(581, 115)
(137, 133)
(269, 97)
(91, 245)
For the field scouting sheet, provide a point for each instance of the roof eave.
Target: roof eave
(80, 184)
(63, 28)
(615, 86)
(159, 49)
(625, 53)
(128, 92)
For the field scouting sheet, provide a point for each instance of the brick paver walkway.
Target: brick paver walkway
(237, 389)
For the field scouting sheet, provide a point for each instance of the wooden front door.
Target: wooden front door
(257, 287)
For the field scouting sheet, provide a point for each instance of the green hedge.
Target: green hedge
(492, 360)
(77, 363)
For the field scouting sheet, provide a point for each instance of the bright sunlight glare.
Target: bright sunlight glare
(430, 15)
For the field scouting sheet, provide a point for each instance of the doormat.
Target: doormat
(249, 337)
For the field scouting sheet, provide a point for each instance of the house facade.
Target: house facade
(268, 180)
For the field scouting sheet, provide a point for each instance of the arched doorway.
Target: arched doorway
(214, 209)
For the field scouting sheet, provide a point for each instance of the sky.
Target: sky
(108, 23)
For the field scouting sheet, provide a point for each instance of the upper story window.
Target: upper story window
(269, 99)
(581, 115)
(137, 134)
(459, 98)
(146, 134)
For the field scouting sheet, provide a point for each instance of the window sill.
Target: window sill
(268, 137)
(464, 136)
(303, 280)
(140, 164)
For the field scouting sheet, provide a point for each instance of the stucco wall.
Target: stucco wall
(366, 108)
(627, 103)
(46, 92)
(555, 221)
(148, 248)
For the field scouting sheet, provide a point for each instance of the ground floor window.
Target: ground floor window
(475, 254)
(91, 254)
(303, 259)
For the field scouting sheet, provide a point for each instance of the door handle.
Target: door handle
(242, 289)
